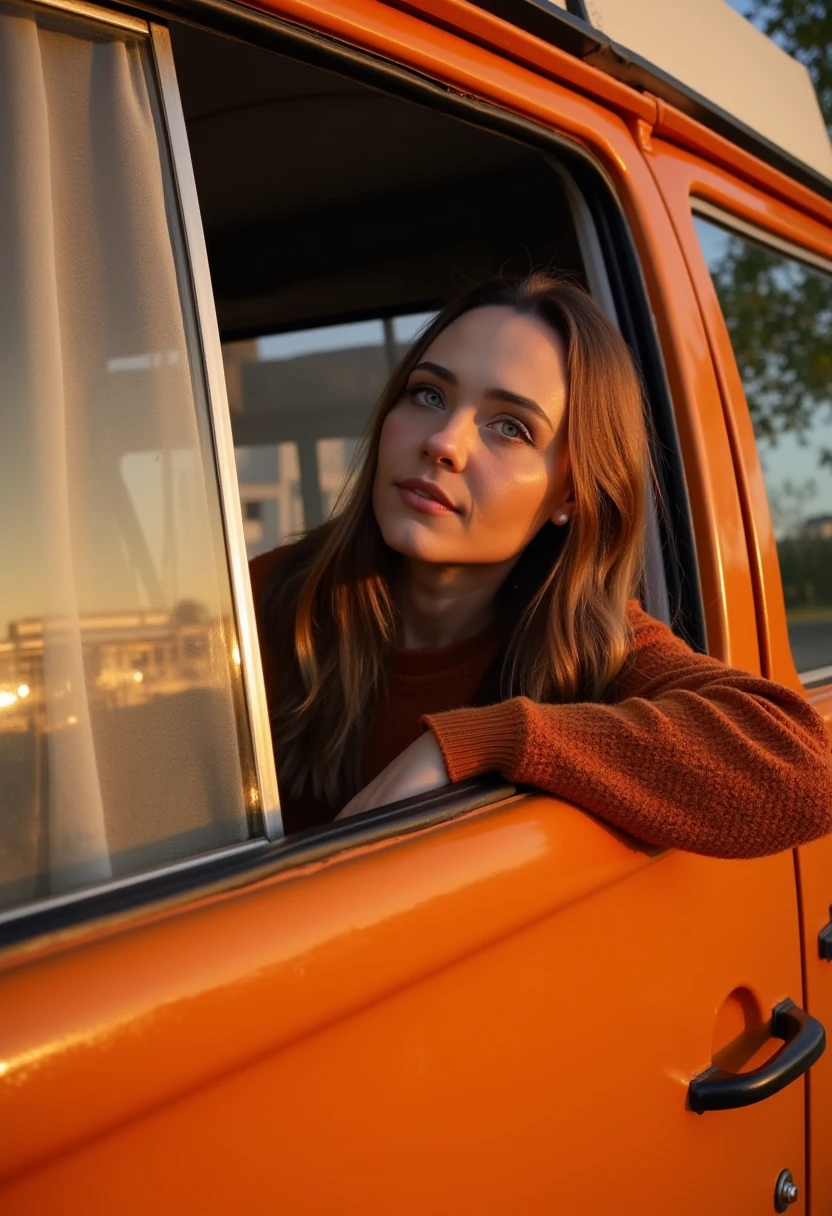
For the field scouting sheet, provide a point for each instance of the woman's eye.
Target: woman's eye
(510, 428)
(425, 395)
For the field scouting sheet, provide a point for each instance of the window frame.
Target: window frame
(604, 232)
(197, 315)
(734, 225)
(208, 343)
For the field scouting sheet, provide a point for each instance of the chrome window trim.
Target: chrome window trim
(105, 16)
(206, 316)
(236, 867)
(818, 675)
(117, 886)
(588, 243)
(725, 219)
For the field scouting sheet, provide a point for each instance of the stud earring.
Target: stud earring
(561, 517)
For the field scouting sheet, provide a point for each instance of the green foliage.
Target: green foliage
(778, 311)
(806, 569)
(779, 316)
(804, 29)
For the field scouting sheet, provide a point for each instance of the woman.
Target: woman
(470, 607)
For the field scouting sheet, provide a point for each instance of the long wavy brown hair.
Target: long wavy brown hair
(329, 607)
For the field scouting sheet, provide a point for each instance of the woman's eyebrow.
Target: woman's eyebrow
(493, 394)
(504, 394)
(438, 370)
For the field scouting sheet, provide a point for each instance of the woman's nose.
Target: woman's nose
(449, 444)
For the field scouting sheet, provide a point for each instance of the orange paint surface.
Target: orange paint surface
(499, 1013)
(433, 1021)
(683, 178)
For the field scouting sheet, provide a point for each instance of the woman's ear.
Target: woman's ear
(565, 510)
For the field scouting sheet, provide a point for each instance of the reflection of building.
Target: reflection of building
(129, 658)
(818, 527)
(295, 423)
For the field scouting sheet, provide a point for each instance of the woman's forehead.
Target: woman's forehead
(496, 347)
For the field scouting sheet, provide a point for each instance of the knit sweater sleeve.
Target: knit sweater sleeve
(694, 754)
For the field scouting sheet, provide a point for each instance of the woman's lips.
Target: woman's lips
(420, 499)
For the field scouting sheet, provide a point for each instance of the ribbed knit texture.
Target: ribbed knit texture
(440, 680)
(693, 754)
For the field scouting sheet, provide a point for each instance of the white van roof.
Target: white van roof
(710, 48)
(705, 59)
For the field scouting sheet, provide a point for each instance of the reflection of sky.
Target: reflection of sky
(787, 461)
(338, 337)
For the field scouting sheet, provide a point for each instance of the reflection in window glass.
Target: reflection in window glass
(122, 736)
(779, 315)
(325, 339)
(407, 328)
(299, 403)
(335, 457)
(269, 477)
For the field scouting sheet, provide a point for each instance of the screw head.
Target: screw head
(785, 1191)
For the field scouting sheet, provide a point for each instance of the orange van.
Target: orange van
(219, 226)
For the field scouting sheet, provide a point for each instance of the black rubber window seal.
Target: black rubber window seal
(389, 823)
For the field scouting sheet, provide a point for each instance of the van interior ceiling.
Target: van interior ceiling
(324, 200)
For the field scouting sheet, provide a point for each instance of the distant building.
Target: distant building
(296, 422)
(818, 527)
(129, 658)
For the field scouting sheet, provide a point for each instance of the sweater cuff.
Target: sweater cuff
(482, 740)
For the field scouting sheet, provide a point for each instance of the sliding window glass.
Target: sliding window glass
(123, 738)
(778, 311)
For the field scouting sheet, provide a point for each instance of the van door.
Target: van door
(747, 247)
(485, 1000)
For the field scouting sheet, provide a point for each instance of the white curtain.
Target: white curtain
(124, 750)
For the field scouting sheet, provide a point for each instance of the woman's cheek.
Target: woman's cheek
(515, 502)
(388, 460)
(397, 434)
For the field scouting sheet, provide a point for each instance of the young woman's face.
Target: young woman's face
(472, 460)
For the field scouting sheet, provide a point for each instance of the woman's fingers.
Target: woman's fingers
(418, 769)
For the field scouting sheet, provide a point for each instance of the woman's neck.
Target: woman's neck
(441, 605)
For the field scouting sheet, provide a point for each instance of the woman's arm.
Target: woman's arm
(695, 755)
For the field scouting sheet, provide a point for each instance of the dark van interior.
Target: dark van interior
(325, 202)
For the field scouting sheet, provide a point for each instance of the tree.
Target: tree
(804, 29)
(779, 316)
(790, 503)
(779, 311)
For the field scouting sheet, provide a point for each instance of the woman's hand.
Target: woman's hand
(416, 770)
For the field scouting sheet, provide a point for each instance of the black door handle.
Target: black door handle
(825, 940)
(804, 1042)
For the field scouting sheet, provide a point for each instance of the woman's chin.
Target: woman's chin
(414, 541)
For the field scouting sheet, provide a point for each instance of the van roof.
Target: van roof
(705, 59)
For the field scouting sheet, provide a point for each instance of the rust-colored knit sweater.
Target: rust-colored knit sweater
(692, 755)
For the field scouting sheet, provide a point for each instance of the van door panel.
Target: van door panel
(502, 1012)
(681, 176)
